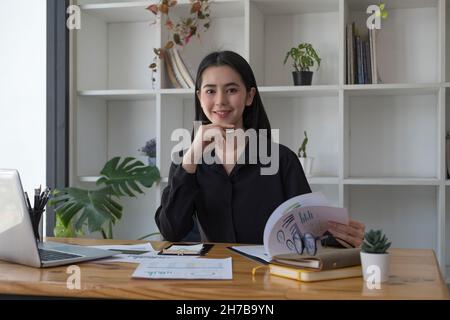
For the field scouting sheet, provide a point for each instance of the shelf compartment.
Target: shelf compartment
(316, 22)
(407, 43)
(391, 136)
(319, 117)
(114, 56)
(107, 129)
(407, 214)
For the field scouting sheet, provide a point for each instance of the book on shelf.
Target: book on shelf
(176, 70)
(170, 72)
(361, 57)
(350, 53)
(182, 68)
(373, 55)
(307, 275)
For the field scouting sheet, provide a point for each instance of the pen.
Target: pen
(36, 198)
(28, 201)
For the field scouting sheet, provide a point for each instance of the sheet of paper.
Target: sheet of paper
(185, 268)
(138, 258)
(144, 247)
(254, 251)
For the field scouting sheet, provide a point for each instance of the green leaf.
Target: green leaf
(93, 208)
(177, 39)
(65, 231)
(384, 15)
(123, 176)
(382, 5)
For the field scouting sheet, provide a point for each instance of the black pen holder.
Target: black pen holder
(36, 216)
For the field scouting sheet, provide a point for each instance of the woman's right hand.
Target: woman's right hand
(205, 135)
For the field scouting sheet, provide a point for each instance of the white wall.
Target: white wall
(23, 89)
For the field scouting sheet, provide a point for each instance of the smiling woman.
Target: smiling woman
(230, 201)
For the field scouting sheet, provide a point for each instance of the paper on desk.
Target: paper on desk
(139, 258)
(144, 247)
(253, 251)
(185, 268)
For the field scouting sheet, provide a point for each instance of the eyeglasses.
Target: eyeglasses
(308, 242)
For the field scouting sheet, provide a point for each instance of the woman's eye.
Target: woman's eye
(209, 91)
(232, 90)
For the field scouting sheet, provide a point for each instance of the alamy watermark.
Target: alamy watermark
(74, 279)
(258, 142)
(74, 19)
(374, 20)
(373, 277)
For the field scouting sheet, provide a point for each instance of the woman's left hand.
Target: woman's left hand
(353, 233)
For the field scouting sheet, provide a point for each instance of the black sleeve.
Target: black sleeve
(293, 176)
(174, 216)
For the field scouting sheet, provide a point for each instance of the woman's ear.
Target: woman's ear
(198, 94)
(250, 96)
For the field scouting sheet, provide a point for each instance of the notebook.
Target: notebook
(306, 275)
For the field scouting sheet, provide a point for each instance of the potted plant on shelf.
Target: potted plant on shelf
(374, 254)
(304, 159)
(304, 56)
(150, 151)
(79, 210)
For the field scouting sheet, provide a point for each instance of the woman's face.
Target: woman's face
(223, 96)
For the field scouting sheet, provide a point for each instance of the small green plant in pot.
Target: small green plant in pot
(303, 58)
(374, 256)
(304, 159)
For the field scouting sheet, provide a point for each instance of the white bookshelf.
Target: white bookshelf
(379, 149)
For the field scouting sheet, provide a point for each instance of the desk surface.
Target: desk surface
(414, 275)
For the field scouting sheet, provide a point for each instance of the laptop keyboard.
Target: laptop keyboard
(51, 255)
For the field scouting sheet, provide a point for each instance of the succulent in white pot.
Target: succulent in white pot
(374, 256)
(304, 159)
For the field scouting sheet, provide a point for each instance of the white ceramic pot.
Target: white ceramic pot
(307, 165)
(372, 263)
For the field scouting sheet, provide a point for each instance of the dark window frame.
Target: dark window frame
(57, 101)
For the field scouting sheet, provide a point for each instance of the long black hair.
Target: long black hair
(254, 116)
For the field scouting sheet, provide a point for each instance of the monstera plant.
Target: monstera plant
(80, 210)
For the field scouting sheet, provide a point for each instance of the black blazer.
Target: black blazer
(229, 208)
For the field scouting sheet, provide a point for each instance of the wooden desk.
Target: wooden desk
(414, 275)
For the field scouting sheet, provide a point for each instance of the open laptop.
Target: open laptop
(17, 241)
